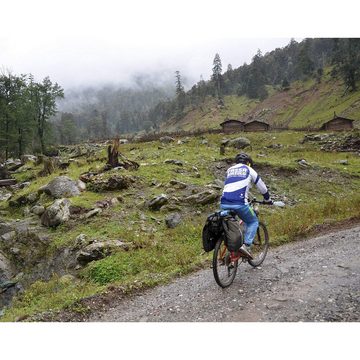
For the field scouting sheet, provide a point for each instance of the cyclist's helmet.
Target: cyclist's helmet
(244, 159)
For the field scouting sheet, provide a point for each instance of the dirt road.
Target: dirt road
(311, 280)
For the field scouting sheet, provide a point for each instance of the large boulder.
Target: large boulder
(99, 250)
(239, 143)
(57, 213)
(60, 187)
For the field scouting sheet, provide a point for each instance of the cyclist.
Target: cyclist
(239, 179)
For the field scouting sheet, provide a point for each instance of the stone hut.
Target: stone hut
(338, 123)
(232, 126)
(256, 125)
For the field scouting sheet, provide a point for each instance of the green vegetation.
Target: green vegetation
(325, 192)
(56, 294)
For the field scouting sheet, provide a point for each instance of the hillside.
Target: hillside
(307, 104)
(126, 229)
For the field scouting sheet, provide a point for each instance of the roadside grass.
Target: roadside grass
(285, 226)
(174, 252)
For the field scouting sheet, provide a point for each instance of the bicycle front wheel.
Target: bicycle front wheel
(260, 246)
(224, 270)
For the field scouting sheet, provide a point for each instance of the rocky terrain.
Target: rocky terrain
(76, 223)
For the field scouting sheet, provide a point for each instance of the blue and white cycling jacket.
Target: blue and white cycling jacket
(239, 179)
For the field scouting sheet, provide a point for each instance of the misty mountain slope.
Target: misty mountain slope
(305, 105)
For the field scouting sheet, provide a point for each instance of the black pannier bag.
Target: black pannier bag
(211, 231)
(232, 233)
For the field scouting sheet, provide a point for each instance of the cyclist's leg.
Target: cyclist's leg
(248, 216)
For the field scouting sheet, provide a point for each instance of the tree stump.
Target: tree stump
(113, 154)
(113, 157)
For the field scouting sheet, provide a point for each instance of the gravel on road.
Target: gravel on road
(313, 280)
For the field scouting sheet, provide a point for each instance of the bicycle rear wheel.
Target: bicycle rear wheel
(224, 270)
(260, 245)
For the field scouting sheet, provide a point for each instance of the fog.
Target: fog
(88, 43)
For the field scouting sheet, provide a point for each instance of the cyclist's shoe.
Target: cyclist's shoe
(246, 250)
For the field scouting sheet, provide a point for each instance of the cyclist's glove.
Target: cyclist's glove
(267, 199)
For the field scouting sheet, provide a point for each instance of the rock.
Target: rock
(56, 214)
(158, 202)
(205, 197)
(32, 197)
(9, 236)
(38, 210)
(4, 195)
(93, 212)
(7, 285)
(60, 187)
(5, 228)
(315, 137)
(173, 220)
(178, 184)
(102, 204)
(12, 164)
(76, 210)
(123, 141)
(99, 250)
(204, 142)
(24, 184)
(342, 162)
(166, 139)
(218, 184)
(239, 143)
(303, 163)
(81, 241)
(173, 161)
(14, 250)
(26, 211)
(114, 202)
(274, 146)
(5, 268)
(81, 185)
(114, 182)
(28, 158)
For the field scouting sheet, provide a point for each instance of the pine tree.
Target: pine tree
(216, 75)
(180, 95)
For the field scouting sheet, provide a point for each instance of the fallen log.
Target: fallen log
(7, 182)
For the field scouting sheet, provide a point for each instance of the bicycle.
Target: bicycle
(225, 263)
